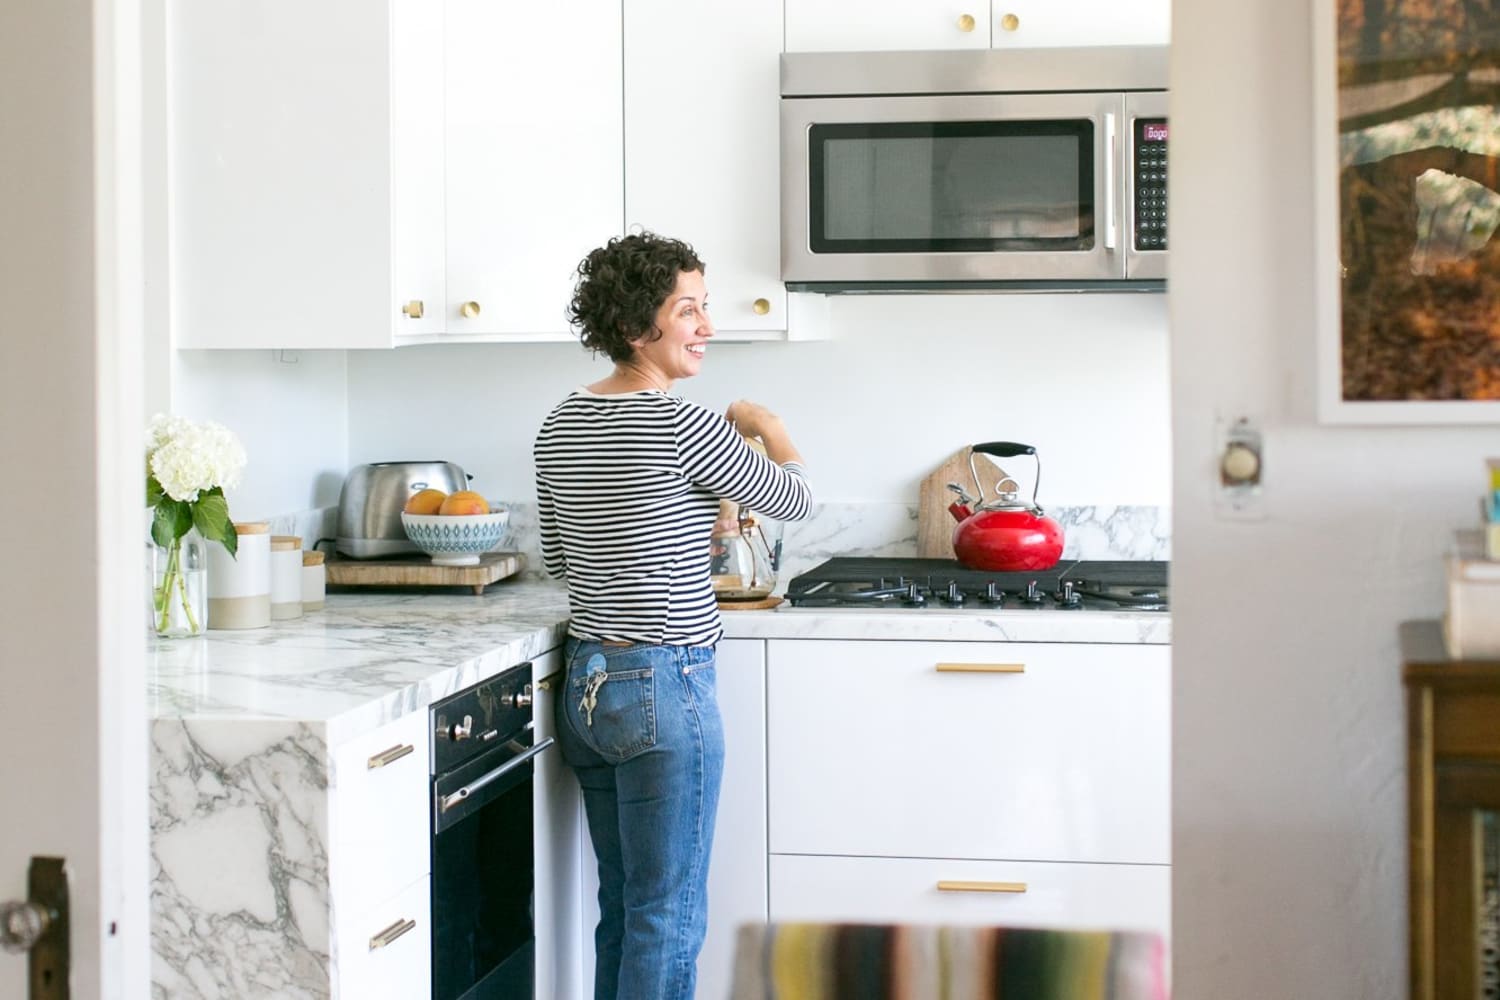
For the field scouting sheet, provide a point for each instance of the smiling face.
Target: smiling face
(685, 332)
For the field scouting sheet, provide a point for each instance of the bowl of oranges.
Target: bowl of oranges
(456, 528)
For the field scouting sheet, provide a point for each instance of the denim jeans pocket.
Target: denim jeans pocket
(617, 715)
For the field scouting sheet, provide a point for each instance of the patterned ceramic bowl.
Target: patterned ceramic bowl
(457, 539)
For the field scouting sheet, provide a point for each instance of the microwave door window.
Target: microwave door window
(963, 187)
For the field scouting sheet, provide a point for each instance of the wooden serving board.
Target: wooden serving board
(934, 522)
(759, 604)
(418, 570)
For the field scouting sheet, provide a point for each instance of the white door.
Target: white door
(72, 648)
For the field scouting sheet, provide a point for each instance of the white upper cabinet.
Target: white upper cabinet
(702, 87)
(873, 25)
(535, 157)
(285, 181)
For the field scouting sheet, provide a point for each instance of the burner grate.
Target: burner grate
(1077, 585)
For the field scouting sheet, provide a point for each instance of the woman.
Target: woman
(629, 480)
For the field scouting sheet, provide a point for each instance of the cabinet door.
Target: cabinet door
(965, 893)
(385, 952)
(1055, 752)
(737, 890)
(702, 147)
(559, 849)
(1047, 23)
(534, 154)
(280, 172)
(877, 25)
(380, 831)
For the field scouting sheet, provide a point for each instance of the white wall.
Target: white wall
(1289, 849)
(289, 408)
(905, 382)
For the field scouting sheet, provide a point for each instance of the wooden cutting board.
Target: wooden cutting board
(418, 570)
(934, 523)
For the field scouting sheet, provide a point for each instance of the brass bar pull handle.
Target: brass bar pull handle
(390, 756)
(962, 886)
(981, 668)
(391, 933)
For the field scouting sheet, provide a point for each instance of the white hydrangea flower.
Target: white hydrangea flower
(188, 458)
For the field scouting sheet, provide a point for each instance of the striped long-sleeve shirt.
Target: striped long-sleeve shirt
(628, 488)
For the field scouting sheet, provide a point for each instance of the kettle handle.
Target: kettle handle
(1006, 449)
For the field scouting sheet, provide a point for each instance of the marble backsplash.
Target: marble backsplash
(846, 529)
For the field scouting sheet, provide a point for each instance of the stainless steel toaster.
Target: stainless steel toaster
(371, 500)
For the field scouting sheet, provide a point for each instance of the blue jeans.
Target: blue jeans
(640, 726)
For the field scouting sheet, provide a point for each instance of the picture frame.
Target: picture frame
(1406, 158)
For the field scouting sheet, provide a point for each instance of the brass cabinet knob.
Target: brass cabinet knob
(761, 306)
(966, 22)
(413, 309)
(469, 309)
(1010, 22)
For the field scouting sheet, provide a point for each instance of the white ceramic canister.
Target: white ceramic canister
(239, 585)
(286, 577)
(314, 581)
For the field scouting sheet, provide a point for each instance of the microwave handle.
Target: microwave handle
(1109, 182)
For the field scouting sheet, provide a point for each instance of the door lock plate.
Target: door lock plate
(39, 926)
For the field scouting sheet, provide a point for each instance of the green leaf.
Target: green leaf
(154, 492)
(171, 521)
(211, 518)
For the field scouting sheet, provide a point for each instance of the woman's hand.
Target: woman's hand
(755, 421)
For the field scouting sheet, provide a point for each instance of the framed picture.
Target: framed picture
(1407, 158)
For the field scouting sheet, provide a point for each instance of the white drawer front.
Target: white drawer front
(380, 831)
(905, 890)
(385, 952)
(1039, 752)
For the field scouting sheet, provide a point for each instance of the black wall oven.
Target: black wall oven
(483, 881)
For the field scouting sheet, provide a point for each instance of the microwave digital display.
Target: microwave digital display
(1154, 132)
(903, 187)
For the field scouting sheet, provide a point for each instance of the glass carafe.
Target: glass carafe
(744, 554)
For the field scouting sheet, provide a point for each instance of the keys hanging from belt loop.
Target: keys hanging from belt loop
(596, 679)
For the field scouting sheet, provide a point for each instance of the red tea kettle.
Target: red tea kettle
(1004, 534)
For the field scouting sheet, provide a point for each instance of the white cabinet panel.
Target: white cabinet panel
(534, 152)
(281, 170)
(877, 25)
(1048, 24)
(905, 890)
(385, 952)
(379, 826)
(737, 870)
(702, 160)
(876, 751)
(850, 26)
(559, 850)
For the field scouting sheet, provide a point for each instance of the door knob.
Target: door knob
(469, 309)
(22, 925)
(413, 309)
(966, 22)
(39, 927)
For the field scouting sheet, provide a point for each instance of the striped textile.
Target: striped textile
(628, 488)
(806, 961)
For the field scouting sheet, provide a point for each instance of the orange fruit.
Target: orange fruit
(425, 502)
(464, 502)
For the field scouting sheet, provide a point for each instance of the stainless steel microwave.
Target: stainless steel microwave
(1024, 169)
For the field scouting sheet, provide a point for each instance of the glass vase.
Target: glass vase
(177, 575)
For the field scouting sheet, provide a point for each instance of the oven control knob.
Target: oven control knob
(517, 699)
(461, 730)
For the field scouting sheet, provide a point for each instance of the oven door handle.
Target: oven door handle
(449, 801)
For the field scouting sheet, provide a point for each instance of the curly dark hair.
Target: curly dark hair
(620, 287)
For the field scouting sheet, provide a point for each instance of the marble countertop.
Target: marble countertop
(368, 658)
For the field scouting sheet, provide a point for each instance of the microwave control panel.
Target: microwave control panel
(1150, 183)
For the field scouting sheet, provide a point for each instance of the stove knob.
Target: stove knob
(953, 595)
(461, 730)
(1069, 598)
(517, 699)
(1032, 595)
(914, 597)
(993, 595)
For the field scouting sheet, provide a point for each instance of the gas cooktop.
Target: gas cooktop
(943, 584)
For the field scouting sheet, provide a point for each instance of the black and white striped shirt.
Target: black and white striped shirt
(628, 488)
